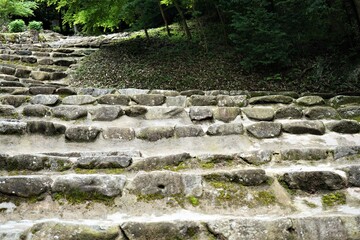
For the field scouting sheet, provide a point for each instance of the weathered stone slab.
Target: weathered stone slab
(11, 84)
(257, 157)
(41, 90)
(310, 101)
(167, 93)
(28, 59)
(200, 100)
(126, 134)
(189, 131)
(310, 154)
(264, 130)
(271, 99)
(82, 133)
(160, 162)
(344, 100)
(189, 93)
(313, 181)
(177, 101)
(7, 70)
(22, 73)
(251, 177)
(232, 101)
(149, 99)
(26, 187)
(352, 112)
(7, 110)
(79, 100)
(58, 76)
(36, 111)
(153, 134)
(353, 174)
(15, 101)
(260, 114)
(64, 62)
(40, 76)
(225, 129)
(12, 127)
(289, 112)
(304, 127)
(165, 183)
(65, 91)
(45, 128)
(136, 111)
(105, 113)
(46, 61)
(113, 99)
(165, 113)
(315, 113)
(344, 126)
(104, 162)
(25, 162)
(133, 91)
(69, 112)
(200, 113)
(226, 114)
(48, 100)
(106, 185)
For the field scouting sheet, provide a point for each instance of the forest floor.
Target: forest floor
(209, 63)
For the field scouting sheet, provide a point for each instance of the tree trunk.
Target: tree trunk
(165, 20)
(186, 27)
(146, 34)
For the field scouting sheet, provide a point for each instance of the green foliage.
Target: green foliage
(9, 8)
(35, 25)
(17, 26)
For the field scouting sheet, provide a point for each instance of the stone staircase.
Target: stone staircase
(89, 163)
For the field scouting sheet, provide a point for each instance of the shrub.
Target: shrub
(17, 26)
(35, 25)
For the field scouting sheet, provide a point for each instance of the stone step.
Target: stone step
(187, 225)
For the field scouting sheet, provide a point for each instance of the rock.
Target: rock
(70, 112)
(46, 61)
(264, 130)
(270, 93)
(70, 231)
(304, 127)
(96, 92)
(82, 133)
(64, 62)
(189, 93)
(315, 113)
(126, 134)
(36, 111)
(344, 126)
(105, 113)
(12, 127)
(289, 112)
(133, 91)
(260, 114)
(153, 134)
(352, 112)
(24, 186)
(200, 100)
(11, 84)
(345, 151)
(226, 114)
(232, 101)
(90, 185)
(41, 90)
(29, 59)
(79, 100)
(45, 128)
(344, 100)
(225, 129)
(161, 230)
(59, 76)
(136, 111)
(65, 91)
(189, 131)
(112, 99)
(313, 181)
(40, 76)
(178, 101)
(64, 50)
(165, 113)
(7, 110)
(310, 100)
(15, 101)
(149, 99)
(7, 70)
(167, 93)
(22, 73)
(257, 157)
(251, 177)
(271, 99)
(160, 162)
(200, 113)
(353, 174)
(309, 154)
(25, 162)
(48, 100)
(165, 183)
(104, 162)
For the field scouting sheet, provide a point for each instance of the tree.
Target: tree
(9, 8)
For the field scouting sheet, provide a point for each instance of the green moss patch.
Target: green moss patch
(98, 171)
(333, 199)
(265, 198)
(194, 201)
(78, 197)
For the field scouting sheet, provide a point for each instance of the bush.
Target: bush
(35, 25)
(17, 26)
